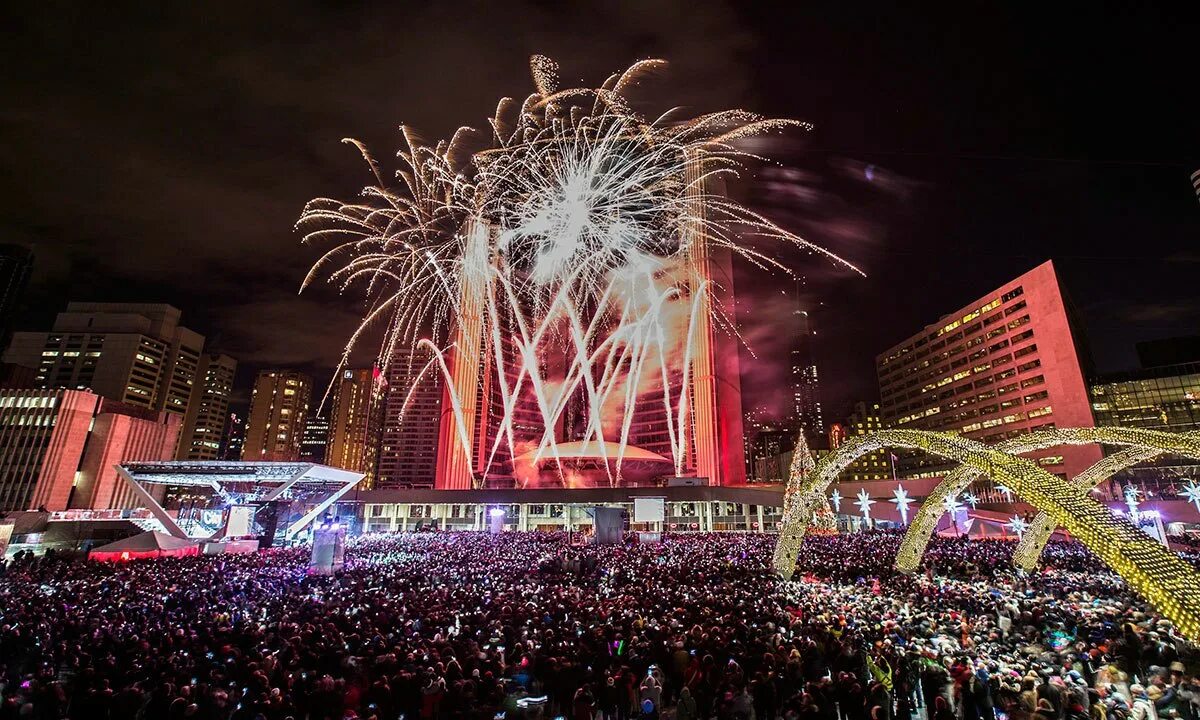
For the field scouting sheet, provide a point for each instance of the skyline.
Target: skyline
(976, 149)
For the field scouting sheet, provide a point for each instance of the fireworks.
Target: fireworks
(560, 249)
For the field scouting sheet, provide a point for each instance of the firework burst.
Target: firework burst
(568, 230)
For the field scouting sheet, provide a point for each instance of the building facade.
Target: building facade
(208, 409)
(412, 411)
(134, 353)
(1157, 398)
(806, 386)
(354, 422)
(59, 448)
(865, 420)
(233, 441)
(314, 445)
(279, 407)
(1005, 364)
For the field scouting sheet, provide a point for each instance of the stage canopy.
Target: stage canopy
(150, 544)
(311, 488)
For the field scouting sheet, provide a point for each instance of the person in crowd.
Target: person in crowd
(472, 626)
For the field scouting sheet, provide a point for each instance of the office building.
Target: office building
(354, 422)
(865, 420)
(233, 440)
(806, 412)
(1007, 363)
(59, 448)
(16, 262)
(279, 407)
(133, 353)
(208, 408)
(314, 444)
(412, 410)
(1157, 398)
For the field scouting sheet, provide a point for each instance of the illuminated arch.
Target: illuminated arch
(1030, 547)
(1157, 574)
(908, 558)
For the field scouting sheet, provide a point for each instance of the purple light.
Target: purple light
(496, 512)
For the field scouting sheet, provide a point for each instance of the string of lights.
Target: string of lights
(1151, 570)
(912, 549)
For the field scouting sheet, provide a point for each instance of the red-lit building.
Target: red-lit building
(1009, 362)
(59, 448)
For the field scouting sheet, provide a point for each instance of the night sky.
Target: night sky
(164, 154)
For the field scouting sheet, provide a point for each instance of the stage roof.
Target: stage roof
(314, 486)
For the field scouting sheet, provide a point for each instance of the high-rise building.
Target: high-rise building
(208, 408)
(233, 440)
(354, 422)
(408, 446)
(314, 445)
(16, 262)
(1005, 364)
(865, 420)
(59, 448)
(134, 353)
(806, 389)
(278, 413)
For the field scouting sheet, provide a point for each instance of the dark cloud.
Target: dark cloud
(163, 151)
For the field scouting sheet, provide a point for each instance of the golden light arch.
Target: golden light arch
(1154, 572)
(1030, 547)
(1154, 442)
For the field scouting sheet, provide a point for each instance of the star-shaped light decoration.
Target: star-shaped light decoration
(864, 503)
(1192, 493)
(1017, 525)
(971, 500)
(902, 501)
(952, 505)
(1006, 491)
(836, 499)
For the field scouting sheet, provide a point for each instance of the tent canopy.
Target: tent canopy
(143, 545)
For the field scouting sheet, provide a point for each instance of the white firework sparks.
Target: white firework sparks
(565, 231)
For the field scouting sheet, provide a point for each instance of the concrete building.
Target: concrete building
(59, 448)
(1007, 363)
(314, 445)
(354, 423)
(208, 409)
(278, 413)
(412, 410)
(135, 353)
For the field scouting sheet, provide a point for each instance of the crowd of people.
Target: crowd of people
(442, 626)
